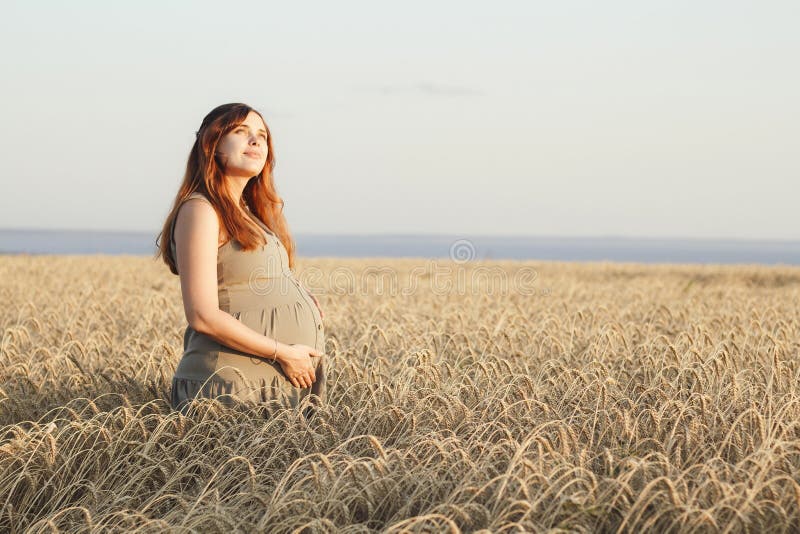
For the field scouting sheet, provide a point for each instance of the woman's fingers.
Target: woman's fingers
(303, 381)
(306, 378)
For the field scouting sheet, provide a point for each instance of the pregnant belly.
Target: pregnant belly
(283, 311)
(293, 323)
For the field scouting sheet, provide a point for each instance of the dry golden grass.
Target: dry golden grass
(618, 398)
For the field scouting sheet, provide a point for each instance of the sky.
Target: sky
(574, 118)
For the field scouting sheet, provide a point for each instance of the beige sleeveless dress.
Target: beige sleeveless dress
(257, 288)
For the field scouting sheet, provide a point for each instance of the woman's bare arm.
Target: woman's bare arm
(196, 236)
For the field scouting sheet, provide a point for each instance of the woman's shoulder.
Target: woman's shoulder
(183, 202)
(199, 195)
(196, 196)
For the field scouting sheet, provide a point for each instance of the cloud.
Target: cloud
(273, 112)
(427, 88)
(448, 90)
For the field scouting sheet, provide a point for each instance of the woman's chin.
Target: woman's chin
(248, 173)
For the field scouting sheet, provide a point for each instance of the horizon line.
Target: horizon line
(444, 235)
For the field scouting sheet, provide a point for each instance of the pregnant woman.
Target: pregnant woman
(254, 332)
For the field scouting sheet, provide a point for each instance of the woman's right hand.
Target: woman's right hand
(298, 366)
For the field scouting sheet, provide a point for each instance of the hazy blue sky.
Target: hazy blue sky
(655, 118)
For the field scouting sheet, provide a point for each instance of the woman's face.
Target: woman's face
(243, 150)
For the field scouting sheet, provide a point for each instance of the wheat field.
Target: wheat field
(609, 398)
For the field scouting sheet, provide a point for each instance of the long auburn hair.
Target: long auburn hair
(205, 174)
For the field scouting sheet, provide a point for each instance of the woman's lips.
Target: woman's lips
(252, 155)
